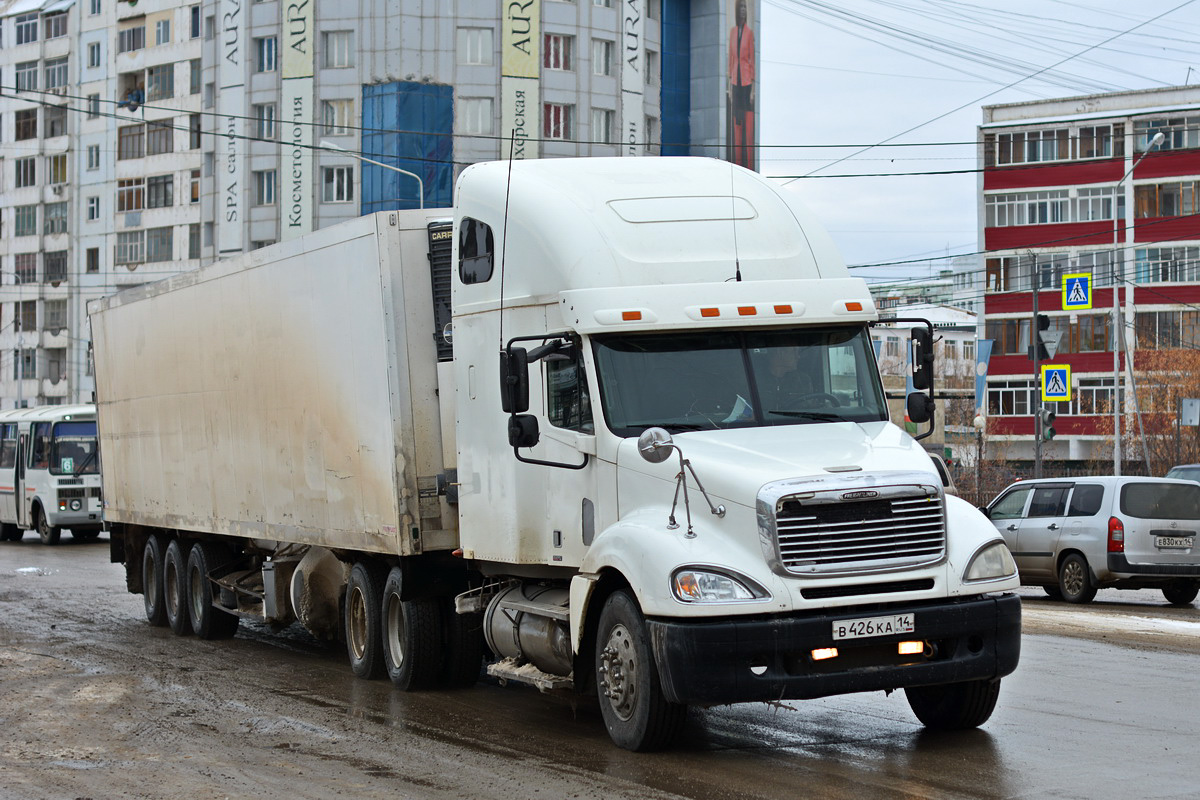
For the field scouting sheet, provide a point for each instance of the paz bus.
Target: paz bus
(49, 473)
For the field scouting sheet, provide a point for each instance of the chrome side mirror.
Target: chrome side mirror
(655, 445)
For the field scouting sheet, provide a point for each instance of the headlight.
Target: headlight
(992, 562)
(692, 585)
(76, 505)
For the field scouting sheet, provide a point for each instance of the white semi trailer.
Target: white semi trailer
(617, 427)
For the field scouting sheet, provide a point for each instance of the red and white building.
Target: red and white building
(1068, 186)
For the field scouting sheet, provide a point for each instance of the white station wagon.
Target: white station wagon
(1073, 536)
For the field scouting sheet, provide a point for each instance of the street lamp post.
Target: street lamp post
(1118, 281)
(327, 145)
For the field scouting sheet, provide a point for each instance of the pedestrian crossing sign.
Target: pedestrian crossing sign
(1056, 382)
(1077, 291)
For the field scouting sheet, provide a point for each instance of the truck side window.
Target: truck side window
(567, 395)
(40, 452)
(476, 248)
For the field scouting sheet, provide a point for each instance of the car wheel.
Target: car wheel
(50, 534)
(1075, 579)
(635, 712)
(1181, 593)
(954, 706)
(1053, 592)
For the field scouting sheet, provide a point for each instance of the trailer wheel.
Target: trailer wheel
(464, 646)
(50, 533)
(635, 712)
(175, 589)
(10, 532)
(364, 621)
(412, 637)
(209, 621)
(954, 706)
(152, 581)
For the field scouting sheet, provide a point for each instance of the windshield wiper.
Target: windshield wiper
(820, 416)
(83, 465)
(671, 427)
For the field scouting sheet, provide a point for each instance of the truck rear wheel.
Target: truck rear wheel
(364, 621)
(954, 706)
(175, 589)
(152, 582)
(208, 620)
(50, 533)
(635, 712)
(412, 637)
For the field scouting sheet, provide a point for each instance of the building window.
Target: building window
(259, 244)
(160, 82)
(602, 3)
(56, 72)
(94, 7)
(160, 138)
(93, 156)
(93, 208)
(194, 240)
(475, 46)
(194, 132)
(210, 95)
(337, 116)
(195, 18)
(1179, 133)
(25, 265)
(56, 169)
(25, 365)
(160, 191)
(26, 316)
(25, 220)
(556, 121)
(56, 121)
(337, 184)
(27, 28)
(131, 39)
(264, 54)
(653, 9)
(1097, 204)
(56, 315)
(93, 57)
(264, 187)
(338, 49)
(195, 186)
(1027, 208)
(131, 247)
(195, 75)
(475, 115)
(131, 194)
(158, 245)
(652, 135)
(556, 51)
(602, 125)
(131, 142)
(26, 171)
(1167, 265)
(653, 71)
(26, 74)
(162, 32)
(93, 106)
(27, 119)
(264, 120)
(56, 25)
(602, 57)
(93, 259)
(1166, 199)
(55, 218)
(54, 266)
(1023, 147)
(1096, 141)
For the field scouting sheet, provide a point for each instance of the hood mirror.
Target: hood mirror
(655, 445)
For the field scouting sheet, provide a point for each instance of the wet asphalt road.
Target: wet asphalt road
(95, 703)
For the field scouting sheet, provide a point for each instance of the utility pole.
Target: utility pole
(1035, 352)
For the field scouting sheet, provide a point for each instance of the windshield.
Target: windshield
(737, 379)
(73, 449)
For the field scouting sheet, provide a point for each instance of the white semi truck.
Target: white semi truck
(615, 428)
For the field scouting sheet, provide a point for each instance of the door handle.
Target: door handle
(1011, 528)
(1053, 526)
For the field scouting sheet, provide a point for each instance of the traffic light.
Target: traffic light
(1046, 418)
(1041, 323)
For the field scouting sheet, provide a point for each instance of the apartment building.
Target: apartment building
(1082, 185)
(140, 139)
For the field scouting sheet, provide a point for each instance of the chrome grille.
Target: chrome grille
(822, 533)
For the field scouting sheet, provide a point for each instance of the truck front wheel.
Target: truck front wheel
(954, 706)
(631, 699)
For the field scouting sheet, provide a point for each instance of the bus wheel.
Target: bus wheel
(49, 533)
(10, 532)
(85, 535)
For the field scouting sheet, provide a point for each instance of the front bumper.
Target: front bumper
(710, 663)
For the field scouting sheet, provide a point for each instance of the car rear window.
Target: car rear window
(1161, 500)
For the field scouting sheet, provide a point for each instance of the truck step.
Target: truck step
(509, 670)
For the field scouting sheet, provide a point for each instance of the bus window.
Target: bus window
(39, 454)
(8, 446)
(73, 451)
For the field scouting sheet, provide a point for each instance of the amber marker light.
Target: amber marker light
(824, 653)
(710, 312)
(783, 309)
(631, 316)
(747, 311)
(854, 306)
(910, 648)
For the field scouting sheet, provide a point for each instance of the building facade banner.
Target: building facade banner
(633, 78)
(297, 118)
(520, 68)
(741, 93)
(983, 354)
(230, 168)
